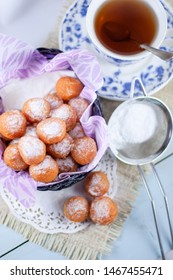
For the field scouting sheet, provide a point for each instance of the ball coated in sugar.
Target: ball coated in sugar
(36, 109)
(84, 150)
(51, 130)
(103, 210)
(68, 87)
(31, 149)
(77, 131)
(46, 171)
(62, 148)
(80, 105)
(13, 159)
(66, 113)
(67, 164)
(12, 124)
(76, 209)
(54, 100)
(96, 184)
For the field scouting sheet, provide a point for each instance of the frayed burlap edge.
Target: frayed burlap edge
(95, 241)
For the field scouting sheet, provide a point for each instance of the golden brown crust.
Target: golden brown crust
(46, 171)
(96, 184)
(80, 105)
(103, 210)
(67, 164)
(13, 159)
(66, 113)
(61, 149)
(84, 150)
(31, 149)
(36, 109)
(54, 100)
(76, 209)
(12, 124)
(68, 88)
(51, 130)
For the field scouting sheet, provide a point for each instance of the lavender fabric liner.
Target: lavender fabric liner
(19, 60)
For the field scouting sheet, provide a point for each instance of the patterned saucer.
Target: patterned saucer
(154, 72)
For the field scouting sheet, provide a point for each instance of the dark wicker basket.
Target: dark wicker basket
(96, 111)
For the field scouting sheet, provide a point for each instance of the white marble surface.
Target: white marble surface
(32, 23)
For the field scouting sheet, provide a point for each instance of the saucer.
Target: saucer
(154, 72)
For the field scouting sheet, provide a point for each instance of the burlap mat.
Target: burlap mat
(95, 241)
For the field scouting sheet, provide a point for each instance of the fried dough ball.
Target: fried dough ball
(31, 149)
(61, 149)
(13, 159)
(54, 100)
(84, 150)
(77, 131)
(31, 130)
(68, 88)
(96, 184)
(12, 124)
(46, 171)
(67, 164)
(76, 209)
(51, 130)
(36, 109)
(80, 105)
(4, 138)
(103, 210)
(66, 113)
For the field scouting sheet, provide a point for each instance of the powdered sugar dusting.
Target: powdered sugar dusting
(67, 164)
(76, 207)
(14, 121)
(80, 105)
(84, 144)
(31, 146)
(62, 148)
(95, 185)
(101, 209)
(54, 100)
(47, 164)
(64, 112)
(51, 128)
(38, 108)
(77, 131)
(31, 130)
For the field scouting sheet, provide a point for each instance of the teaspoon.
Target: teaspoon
(118, 33)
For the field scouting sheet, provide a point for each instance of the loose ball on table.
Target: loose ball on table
(12, 124)
(103, 210)
(36, 109)
(13, 159)
(96, 184)
(46, 171)
(76, 209)
(84, 150)
(68, 88)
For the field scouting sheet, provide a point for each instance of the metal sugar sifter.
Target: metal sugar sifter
(140, 130)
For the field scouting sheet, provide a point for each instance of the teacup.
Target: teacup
(147, 25)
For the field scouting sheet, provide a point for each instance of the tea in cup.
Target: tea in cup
(144, 21)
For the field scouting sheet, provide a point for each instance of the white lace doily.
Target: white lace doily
(47, 213)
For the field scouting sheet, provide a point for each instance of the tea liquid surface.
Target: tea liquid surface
(135, 15)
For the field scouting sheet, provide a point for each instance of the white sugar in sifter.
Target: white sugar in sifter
(140, 130)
